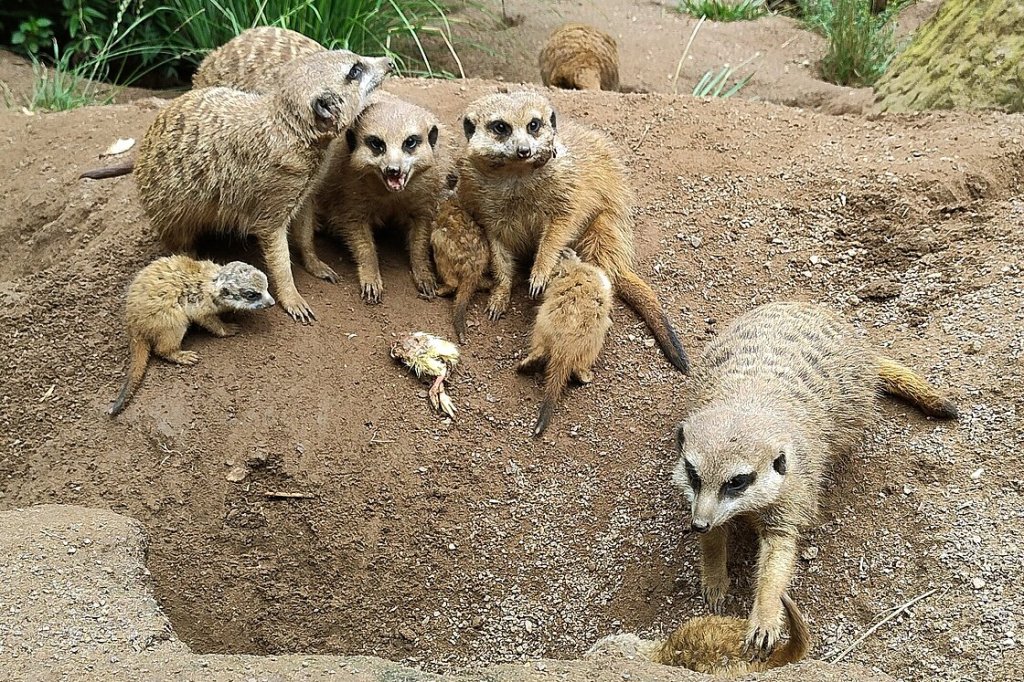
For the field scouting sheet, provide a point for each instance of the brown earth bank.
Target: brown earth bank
(445, 544)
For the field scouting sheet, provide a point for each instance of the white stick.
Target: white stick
(895, 612)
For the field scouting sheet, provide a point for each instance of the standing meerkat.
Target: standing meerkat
(251, 61)
(570, 329)
(172, 292)
(390, 171)
(779, 393)
(537, 185)
(580, 57)
(461, 257)
(218, 158)
(713, 645)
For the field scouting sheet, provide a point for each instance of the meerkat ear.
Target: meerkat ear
(468, 127)
(680, 435)
(350, 139)
(432, 136)
(327, 107)
(554, 126)
(781, 463)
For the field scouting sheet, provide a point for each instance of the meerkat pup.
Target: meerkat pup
(779, 393)
(222, 159)
(390, 171)
(460, 256)
(580, 57)
(713, 645)
(537, 185)
(172, 292)
(569, 331)
(251, 61)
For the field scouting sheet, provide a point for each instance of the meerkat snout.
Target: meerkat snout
(240, 286)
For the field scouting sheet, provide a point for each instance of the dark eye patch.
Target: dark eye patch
(694, 478)
(376, 145)
(411, 143)
(737, 484)
(534, 125)
(251, 295)
(500, 128)
(356, 72)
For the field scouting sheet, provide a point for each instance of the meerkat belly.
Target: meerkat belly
(517, 223)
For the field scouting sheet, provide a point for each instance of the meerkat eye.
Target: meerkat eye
(356, 72)
(691, 474)
(411, 143)
(737, 484)
(500, 128)
(251, 295)
(534, 125)
(376, 145)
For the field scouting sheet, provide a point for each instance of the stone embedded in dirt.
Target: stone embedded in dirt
(978, 583)
(408, 634)
(880, 290)
(809, 553)
(237, 475)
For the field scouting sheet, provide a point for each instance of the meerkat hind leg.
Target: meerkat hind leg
(168, 347)
(302, 229)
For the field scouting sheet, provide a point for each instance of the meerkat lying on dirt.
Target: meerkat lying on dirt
(714, 645)
(780, 392)
(218, 158)
(460, 255)
(570, 329)
(537, 185)
(580, 57)
(172, 292)
(390, 171)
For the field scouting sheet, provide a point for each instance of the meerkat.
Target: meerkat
(218, 158)
(251, 61)
(580, 57)
(174, 291)
(570, 329)
(460, 256)
(713, 645)
(779, 393)
(537, 185)
(390, 171)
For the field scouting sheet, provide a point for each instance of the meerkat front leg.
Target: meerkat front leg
(555, 238)
(302, 229)
(502, 267)
(216, 326)
(776, 563)
(273, 240)
(714, 566)
(419, 257)
(359, 237)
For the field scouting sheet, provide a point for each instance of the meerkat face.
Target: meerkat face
(514, 132)
(327, 90)
(731, 462)
(393, 140)
(240, 286)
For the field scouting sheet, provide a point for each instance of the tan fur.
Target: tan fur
(580, 57)
(461, 257)
(355, 197)
(779, 393)
(251, 60)
(217, 158)
(567, 189)
(172, 292)
(570, 329)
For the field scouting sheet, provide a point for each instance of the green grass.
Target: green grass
(861, 45)
(724, 10)
(713, 83)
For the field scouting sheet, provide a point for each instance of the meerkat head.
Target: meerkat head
(513, 132)
(240, 286)
(393, 140)
(732, 460)
(325, 91)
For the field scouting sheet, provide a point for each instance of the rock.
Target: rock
(809, 553)
(237, 474)
(880, 290)
(408, 634)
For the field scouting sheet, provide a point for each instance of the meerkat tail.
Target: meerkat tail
(463, 296)
(556, 378)
(905, 383)
(109, 171)
(799, 636)
(138, 358)
(641, 298)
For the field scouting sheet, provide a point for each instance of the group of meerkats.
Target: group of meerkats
(280, 135)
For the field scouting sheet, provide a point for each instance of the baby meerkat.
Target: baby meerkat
(461, 257)
(713, 645)
(251, 60)
(580, 57)
(570, 329)
(389, 172)
(172, 292)
(780, 392)
(218, 158)
(537, 185)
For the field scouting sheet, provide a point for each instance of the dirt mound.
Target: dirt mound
(444, 544)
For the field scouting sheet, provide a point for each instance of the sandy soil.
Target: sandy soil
(442, 544)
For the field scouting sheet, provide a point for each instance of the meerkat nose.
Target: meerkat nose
(393, 172)
(700, 526)
(524, 152)
(389, 65)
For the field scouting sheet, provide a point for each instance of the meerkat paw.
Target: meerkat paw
(585, 376)
(322, 270)
(229, 329)
(426, 285)
(497, 305)
(763, 633)
(372, 290)
(184, 357)
(298, 309)
(538, 283)
(715, 591)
